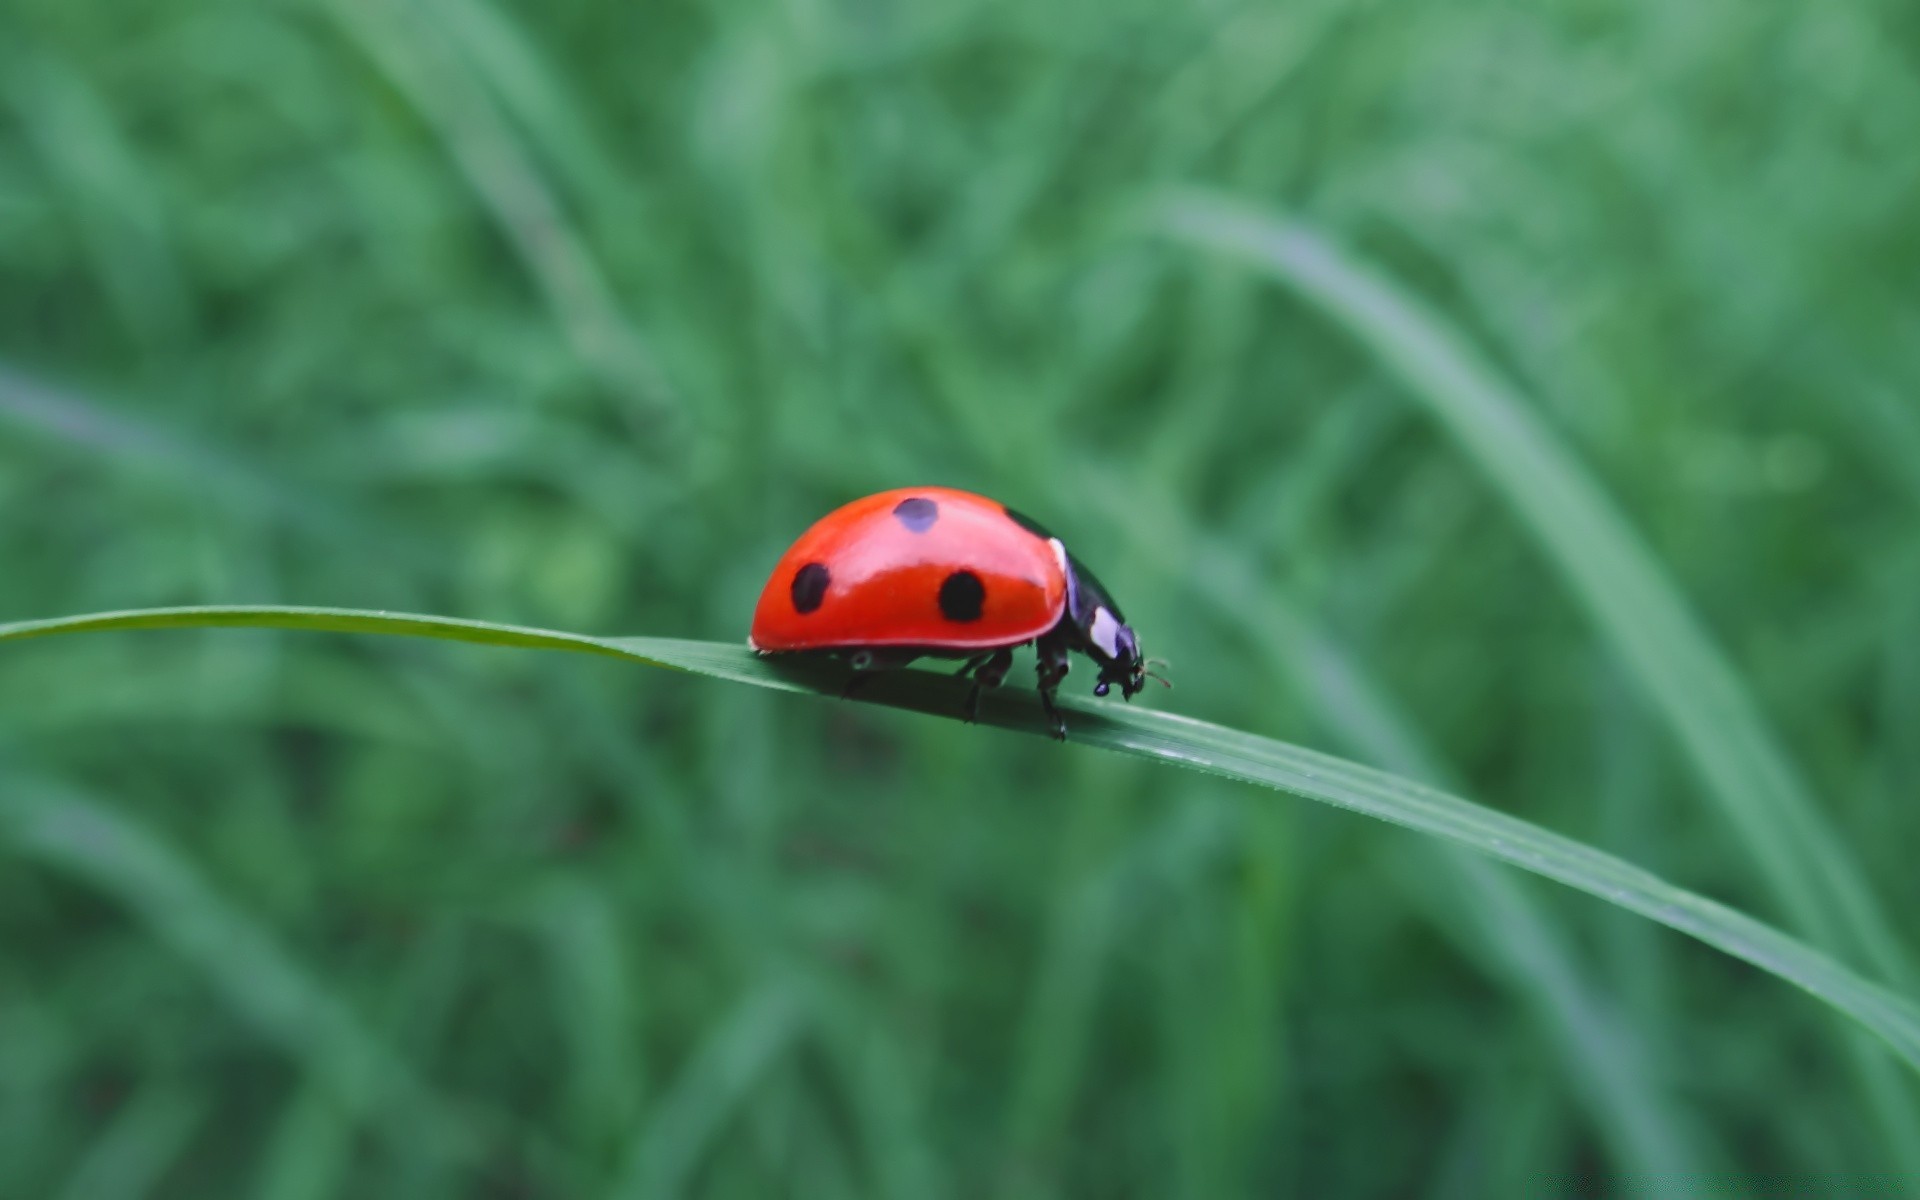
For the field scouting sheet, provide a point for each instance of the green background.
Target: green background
(574, 314)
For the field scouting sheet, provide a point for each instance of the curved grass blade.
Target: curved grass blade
(1602, 1053)
(415, 54)
(1608, 1060)
(1166, 737)
(242, 961)
(1611, 571)
(358, 1079)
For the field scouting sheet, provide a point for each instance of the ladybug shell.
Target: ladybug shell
(931, 567)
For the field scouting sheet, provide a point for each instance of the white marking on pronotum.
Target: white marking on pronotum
(1105, 634)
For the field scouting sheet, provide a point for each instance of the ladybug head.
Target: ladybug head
(1103, 634)
(1123, 665)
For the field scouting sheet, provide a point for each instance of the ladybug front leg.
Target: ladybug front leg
(988, 670)
(1052, 667)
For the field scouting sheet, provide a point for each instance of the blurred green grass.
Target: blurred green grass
(572, 316)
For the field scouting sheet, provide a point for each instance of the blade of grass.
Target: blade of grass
(139, 1145)
(1601, 1051)
(588, 951)
(1165, 737)
(1630, 596)
(414, 53)
(282, 999)
(1612, 572)
(721, 1074)
(38, 408)
(1607, 1059)
(289, 1003)
(308, 1153)
(539, 99)
(109, 190)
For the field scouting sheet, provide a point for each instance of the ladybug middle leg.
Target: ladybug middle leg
(1052, 666)
(987, 671)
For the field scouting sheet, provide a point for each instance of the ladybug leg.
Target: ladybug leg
(967, 668)
(1052, 667)
(1053, 715)
(988, 670)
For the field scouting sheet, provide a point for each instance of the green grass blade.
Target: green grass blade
(1604, 1054)
(1165, 737)
(1632, 599)
(36, 408)
(138, 1145)
(1614, 1071)
(287, 1003)
(1612, 572)
(309, 1151)
(106, 185)
(414, 53)
(1147, 734)
(716, 1082)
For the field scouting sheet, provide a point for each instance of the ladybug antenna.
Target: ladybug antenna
(1151, 674)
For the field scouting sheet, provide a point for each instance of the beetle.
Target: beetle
(938, 572)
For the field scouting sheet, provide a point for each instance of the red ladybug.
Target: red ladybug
(937, 572)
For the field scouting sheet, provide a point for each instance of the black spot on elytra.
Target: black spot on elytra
(917, 513)
(961, 596)
(809, 587)
(1026, 522)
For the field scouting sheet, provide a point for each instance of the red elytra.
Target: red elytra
(873, 573)
(942, 572)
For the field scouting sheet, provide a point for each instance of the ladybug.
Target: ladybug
(936, 572)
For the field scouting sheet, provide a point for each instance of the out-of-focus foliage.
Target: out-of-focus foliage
(572, 315)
